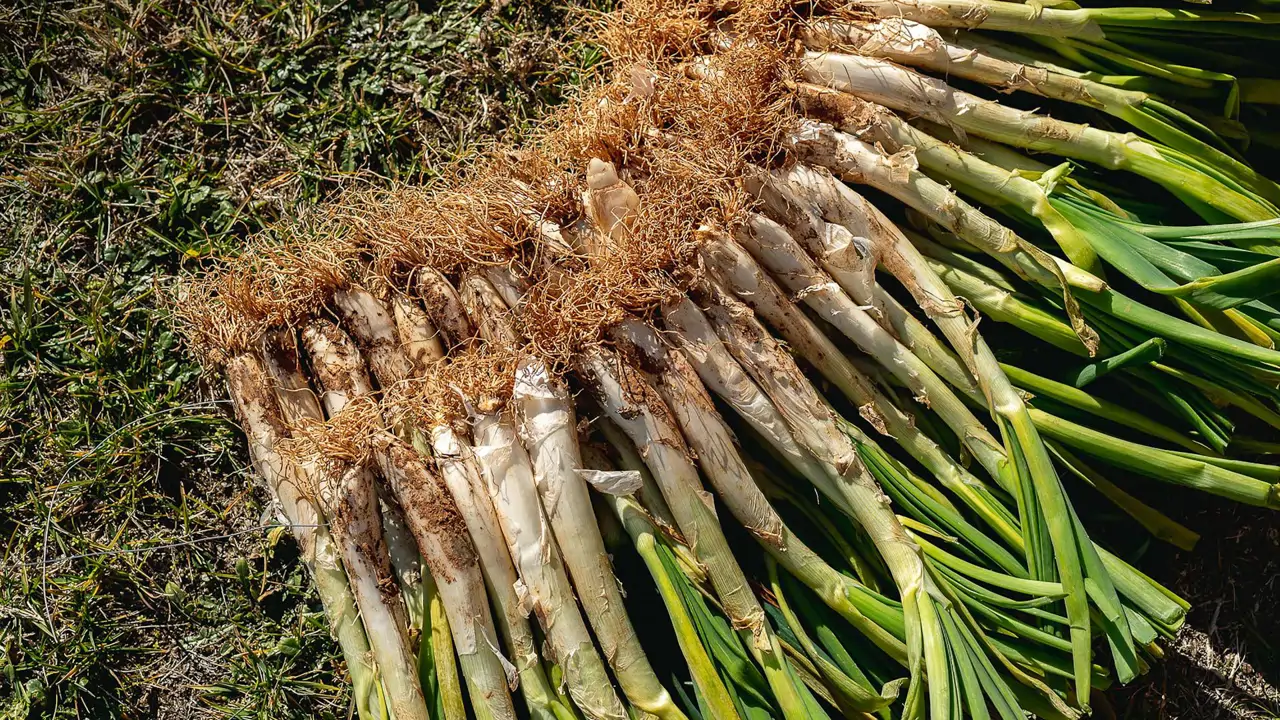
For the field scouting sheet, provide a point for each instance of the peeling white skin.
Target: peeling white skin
(458, 469)
(550, 434)
(509, 476)
(509, 669)
(1028, 18)
(249, 387)
(693, 334)
(351, 502)
(619, 483)
(779, 253)
(847, 254)
(667, 458)
(899, 88)
(903, 41)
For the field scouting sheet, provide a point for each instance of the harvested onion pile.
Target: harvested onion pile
(670, 316)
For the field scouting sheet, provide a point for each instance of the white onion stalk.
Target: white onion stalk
(1061, 550)
(374, 331)
(550, 434)
(488, 312)
(549, 431)
(748, 283)
(447, 549)
(458, 470)
(351, 501)
(991, 15)
(858, 162)
(904, 41)
(783, 257)
(875, 124)
(993, 298)
(905, 90)
(691, 332)
(419, 338)
(640, 413)
(909, 43)
(444, 306)
(712, 441)
(372, 327)
(846, 255)
(1054, 19)
(260, 416)
(543, 583)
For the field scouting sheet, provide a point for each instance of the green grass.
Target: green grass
(137, 578)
